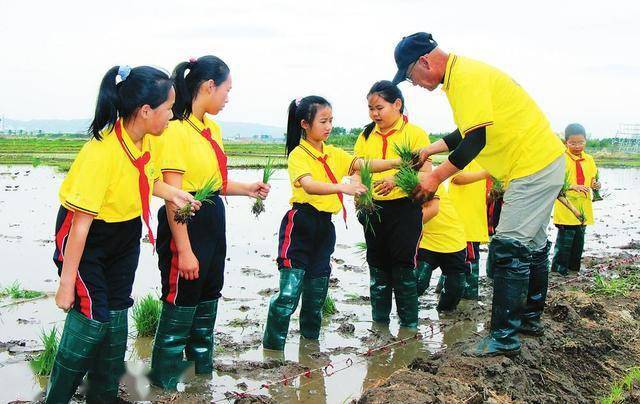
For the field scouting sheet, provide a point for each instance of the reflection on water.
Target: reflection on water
(28, 204)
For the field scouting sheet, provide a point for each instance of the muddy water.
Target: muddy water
(28, 205)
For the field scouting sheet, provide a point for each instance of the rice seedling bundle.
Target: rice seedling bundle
(269, 169)
(183, 215)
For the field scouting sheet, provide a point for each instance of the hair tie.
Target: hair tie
(123, 72)
(298, 101)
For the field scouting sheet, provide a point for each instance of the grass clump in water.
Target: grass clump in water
(15, 291)
(146, 315)
(183, 215)
(258, 205)
(329, 306)
(42, 363)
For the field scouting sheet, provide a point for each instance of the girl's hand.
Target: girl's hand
(259, 190)
(384, 186)
(181, 198)
(580, 188)
(595, 184)
(65, 295)
(188, 265)
(423, 156)
(354, 189)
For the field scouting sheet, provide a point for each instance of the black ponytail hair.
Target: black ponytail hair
(305, 108)
(390, 93)
(142, 85)
(187, 83)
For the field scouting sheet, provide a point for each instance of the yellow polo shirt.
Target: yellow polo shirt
(470, 201)
(102, 181)
(303, 161)
(371, 148)
(520, 141)
(186, 151)
(562, 215)
(444, 233)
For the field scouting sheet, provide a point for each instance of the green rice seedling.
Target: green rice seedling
(42, 363)
(183, 215)
(329, 306)
(365, 206)
(407, 180)
(15, 291)
(582, 217)
(565, 185)
(146, 314)
(497, 189)
(596, 192)
(409, 157)
(616, 394)
(269, 169)
(361, 247)
(562, 197)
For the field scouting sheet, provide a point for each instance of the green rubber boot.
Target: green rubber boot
(471, 282)
(381, 291)
(103, 378)
(575, 261)
(199, 348)
(167, 359)
(451, 291)
(537, 296)
(78, 347)
(406, 292)
(314, 293)
(562, 250)
(282, 307)
(440, 284)
(423, 276)
(510, 286)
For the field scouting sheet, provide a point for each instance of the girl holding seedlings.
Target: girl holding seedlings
(468, 192)
(98, 229)
(581, 171)
(191, 252)
(393, 232)
(307, 235)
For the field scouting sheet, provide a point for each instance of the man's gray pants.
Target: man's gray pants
(528, 203)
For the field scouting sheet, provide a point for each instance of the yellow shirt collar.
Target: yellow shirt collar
(312, 151)
(132, 149)
(574, 157)
(397, 126)
(448, 71)
(196, 123)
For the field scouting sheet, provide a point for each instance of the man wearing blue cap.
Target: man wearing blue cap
(500, 126)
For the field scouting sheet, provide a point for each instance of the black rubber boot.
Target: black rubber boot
(537, 295)
(423, 276)
(562, 249)
(511, 265)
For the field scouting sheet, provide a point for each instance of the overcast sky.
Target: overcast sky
(579, 60)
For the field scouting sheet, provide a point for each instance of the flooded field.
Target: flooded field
(28, 205)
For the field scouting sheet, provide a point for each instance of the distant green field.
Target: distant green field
(60, 152)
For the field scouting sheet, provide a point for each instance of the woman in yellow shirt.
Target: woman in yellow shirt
(98, 229)
(443, 245)
(307, 236)
(191, 256)
(394, 232)
(582, 170)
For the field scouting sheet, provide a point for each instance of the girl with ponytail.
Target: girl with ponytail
(393, 235)
(98, 229)
(307, 235)
(192, 255)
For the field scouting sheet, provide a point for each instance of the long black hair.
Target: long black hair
(143, 85)
(390, 93)
(187, 83)
(304, 108)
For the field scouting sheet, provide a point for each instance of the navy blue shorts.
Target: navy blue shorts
(207, 235)
(108, 265)
(307, 240)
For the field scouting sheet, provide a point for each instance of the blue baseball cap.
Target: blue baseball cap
(409, 49)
